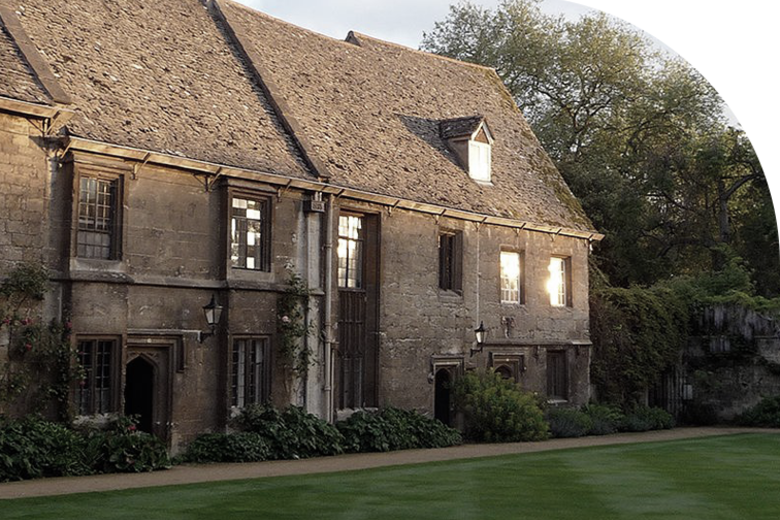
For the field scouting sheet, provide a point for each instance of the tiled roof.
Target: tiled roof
(168, 76)
(17, 80)
(460, 126)
(372, 111)
(159, 76)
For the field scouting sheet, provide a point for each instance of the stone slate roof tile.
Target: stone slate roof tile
(17, 80)
(372, 111)
(460, 126)
(159, 76)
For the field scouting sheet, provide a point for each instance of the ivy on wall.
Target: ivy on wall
(40, 362)
(638, 333)
(292, 326)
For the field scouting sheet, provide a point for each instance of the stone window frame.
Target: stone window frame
(521, 277)
(116, 176)
(91, 403)
(451, 250)
(259, 379)
(264, 264)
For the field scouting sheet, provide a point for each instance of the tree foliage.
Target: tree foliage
(640, 137)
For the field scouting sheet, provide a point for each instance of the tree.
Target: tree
(639, 136)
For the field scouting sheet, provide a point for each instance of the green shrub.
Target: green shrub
(497, 410)
(765, 414)
(568, 422)
(121, 448)
(644, 418)
(605, 419)
(227, 447)
(34, 448)
(394, 429)
(291, 433)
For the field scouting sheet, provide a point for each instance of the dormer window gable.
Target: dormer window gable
(471, 141)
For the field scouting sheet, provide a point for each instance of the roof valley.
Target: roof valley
(272, 93)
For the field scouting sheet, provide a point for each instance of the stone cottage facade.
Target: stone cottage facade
(156, 156)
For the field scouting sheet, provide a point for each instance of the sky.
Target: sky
(733, 44)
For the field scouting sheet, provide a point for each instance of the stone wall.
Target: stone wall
(420, 323)
(731, 363)
(24, 177)
(174, 257)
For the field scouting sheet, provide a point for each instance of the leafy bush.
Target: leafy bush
(605, 419)
(497, 410)
(291, 433)
(227, 447)
(644, 418)
(120, 447)
(568, 422)
(765, 414)
(34, 448)
(394, 429)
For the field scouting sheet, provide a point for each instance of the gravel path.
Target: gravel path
(188, 474)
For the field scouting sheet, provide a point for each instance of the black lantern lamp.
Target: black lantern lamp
(480, 333)
(213, 311)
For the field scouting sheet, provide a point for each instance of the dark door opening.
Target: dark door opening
(442, 400)
(139, 392)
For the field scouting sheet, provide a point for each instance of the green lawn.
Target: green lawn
(726, 477)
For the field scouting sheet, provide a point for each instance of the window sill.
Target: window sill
(97, 265)
(450, 296)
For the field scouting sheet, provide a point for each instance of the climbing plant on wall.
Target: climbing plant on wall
(637, 333)
(292, 325)
(40, 363)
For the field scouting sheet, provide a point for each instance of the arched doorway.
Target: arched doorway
(139, 392)
(442, 401)
(505, 372)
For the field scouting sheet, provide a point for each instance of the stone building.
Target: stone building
(157, 155)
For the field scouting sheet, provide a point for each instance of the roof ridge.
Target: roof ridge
(357, 36)
(237, 5)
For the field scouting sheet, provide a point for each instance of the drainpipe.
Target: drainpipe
(328, 289)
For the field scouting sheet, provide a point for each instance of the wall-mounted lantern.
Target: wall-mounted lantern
(480, 333)
(213, 312)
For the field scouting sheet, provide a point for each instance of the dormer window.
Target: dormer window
(470, 139)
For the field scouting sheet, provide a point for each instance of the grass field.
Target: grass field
(726, 477)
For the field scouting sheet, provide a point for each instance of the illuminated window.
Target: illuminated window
(479, 161)
(510, 277)
(558, 284)
(350, 251)
(249, 234)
